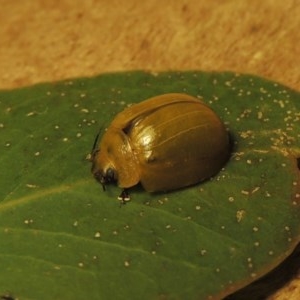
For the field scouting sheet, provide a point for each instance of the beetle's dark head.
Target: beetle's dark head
(103, 173)
(105, 177)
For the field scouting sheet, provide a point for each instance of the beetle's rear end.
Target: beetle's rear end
(178, 145)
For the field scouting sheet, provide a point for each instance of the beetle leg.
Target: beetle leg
(124, 196)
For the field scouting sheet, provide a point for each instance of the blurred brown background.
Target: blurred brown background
(47, 40)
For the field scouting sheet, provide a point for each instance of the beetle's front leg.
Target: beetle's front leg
(124, 196)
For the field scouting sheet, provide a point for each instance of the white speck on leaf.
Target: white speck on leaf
(31, 186)
(97, 235)
(240, 215)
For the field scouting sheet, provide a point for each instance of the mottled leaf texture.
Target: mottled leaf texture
(62, 237)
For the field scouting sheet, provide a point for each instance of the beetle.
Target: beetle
(167, 142)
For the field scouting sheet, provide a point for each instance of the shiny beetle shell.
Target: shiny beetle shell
(166, 142)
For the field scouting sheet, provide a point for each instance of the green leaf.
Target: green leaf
(62, 237)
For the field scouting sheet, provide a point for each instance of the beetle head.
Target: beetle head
(105, 177)
(113, 160)
(102, 172)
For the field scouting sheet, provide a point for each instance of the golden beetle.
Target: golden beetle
(166, 142)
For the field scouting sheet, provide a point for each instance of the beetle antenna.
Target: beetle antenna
(102, 181)
(95, 142)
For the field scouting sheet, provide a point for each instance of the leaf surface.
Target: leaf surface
(62, 237)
